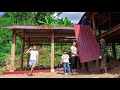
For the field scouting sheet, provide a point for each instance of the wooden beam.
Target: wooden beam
(35, 36)
(115, 28)
(105, 20)
(93, 22)
(48, 39)
(21, 37)
(27, 40)
(95, 13)
(114, 35)
(39, 44)
(12, 68)
(113, 41)
(50, 44)
(49, 32)
(28, 55)
(22, 52)
(52, 52)
(45, 36)
(48, 35)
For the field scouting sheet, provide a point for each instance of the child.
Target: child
(103, 55)
(33, 58)
(65, 60)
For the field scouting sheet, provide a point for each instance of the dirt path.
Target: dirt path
(113, 73)
(56, 75)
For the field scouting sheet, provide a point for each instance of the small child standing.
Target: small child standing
(65, 59)
(103, 55)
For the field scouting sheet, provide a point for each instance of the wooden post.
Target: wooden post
(83, 66)
(12, 68)
(93, 23)
(28, 55)
(52, 52)
(94, 28)
(90, 69)
(22, 52)
(114, 51)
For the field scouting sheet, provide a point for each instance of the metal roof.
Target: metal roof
(39, 27)
(42, 34)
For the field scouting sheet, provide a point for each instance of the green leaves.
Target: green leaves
(37, 18)
(42, 22)
(29, 18)
(2, 59)
(51, 21)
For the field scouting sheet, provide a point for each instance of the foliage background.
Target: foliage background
(29, 18)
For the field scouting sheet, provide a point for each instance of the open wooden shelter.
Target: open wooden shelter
(38, 35)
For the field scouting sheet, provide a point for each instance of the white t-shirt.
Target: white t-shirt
(33, 55)
(65, 58)
(73, 50)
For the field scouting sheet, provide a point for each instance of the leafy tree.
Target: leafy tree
(29, 18)
(51, 21)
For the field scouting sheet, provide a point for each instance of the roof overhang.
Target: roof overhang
(42, 34)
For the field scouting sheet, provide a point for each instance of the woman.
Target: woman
(74, 58)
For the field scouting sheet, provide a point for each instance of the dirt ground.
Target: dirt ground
(55, 75)
(113, 72)
(61, 75)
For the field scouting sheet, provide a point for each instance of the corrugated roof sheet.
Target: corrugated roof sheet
(39, 27)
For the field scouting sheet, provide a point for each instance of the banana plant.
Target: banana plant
(51, 21)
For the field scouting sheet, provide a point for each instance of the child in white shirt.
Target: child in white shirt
(65, 59)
